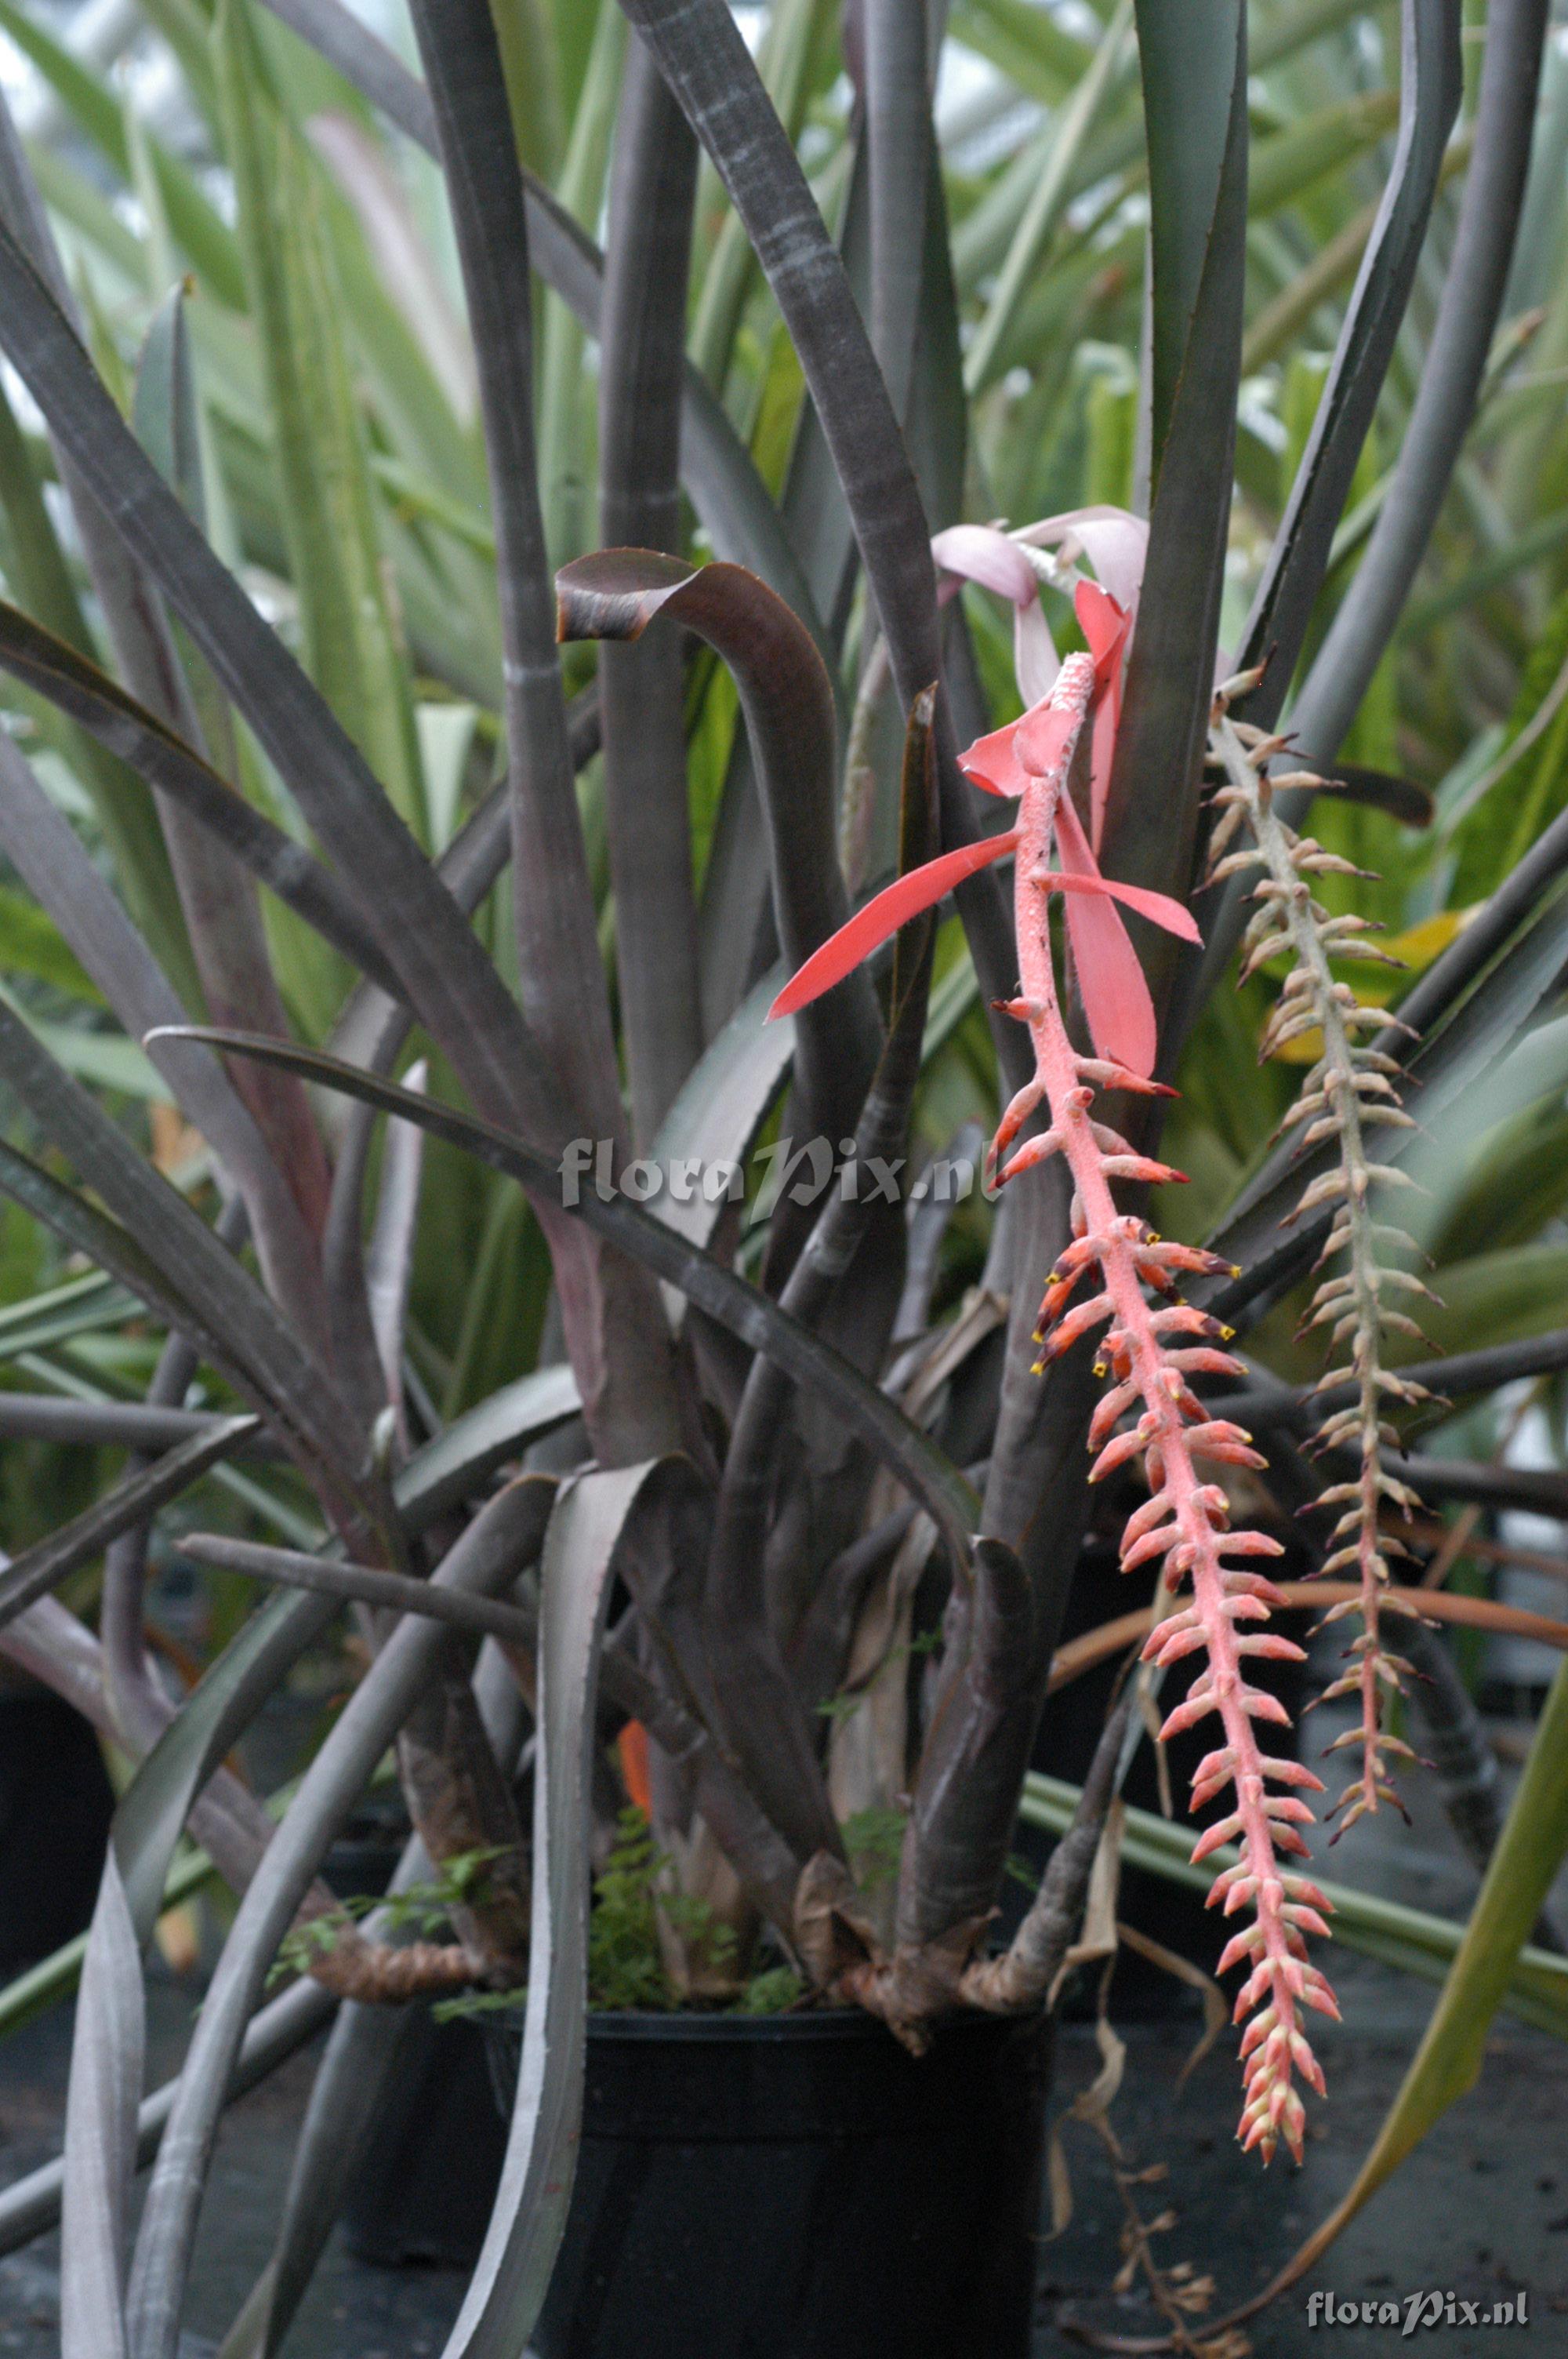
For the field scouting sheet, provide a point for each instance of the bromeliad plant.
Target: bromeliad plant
(299, 578)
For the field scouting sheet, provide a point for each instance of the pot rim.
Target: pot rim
(809, 2025)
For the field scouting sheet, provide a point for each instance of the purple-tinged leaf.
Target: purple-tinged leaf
(788, 703)
(643, 688)
(48, 1562)
(744, 1310)
(1198, 145)
(1430, 87)
(191, 1271)
(77, 688)
(512, 2273)
(716, 467)
(705, 61)
(53, 862)
(560, 970)
(490, 1555)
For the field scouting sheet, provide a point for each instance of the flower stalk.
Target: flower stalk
(1151, 1353)
(1351, 1090)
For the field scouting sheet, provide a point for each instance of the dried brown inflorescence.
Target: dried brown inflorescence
(1351, 1090)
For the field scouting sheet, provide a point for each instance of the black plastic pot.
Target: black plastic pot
(424, 2192)
(799, 2187)
(55, 1803)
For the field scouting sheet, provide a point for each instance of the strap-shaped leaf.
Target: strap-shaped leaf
(1450, 381)
(165, 407)
(30, 2207)
(109, 1425)
(101, 2099)
(247, 1335)
(59, 872)
(424, 937)
(561, 971)
(323, 496)
(1431, 82)
(1431, 86)
(1188, 59)
(95, 105)
(324, 1577)
(370, 2046)
(717, 469)
(706, 62)
(897, 79)
(758, 1700)
(744, 1310)
(454, 1465)
(48, 1563)
(653, 193)
(1151, 807)
(491, 1551)
(106, 2050)
(375, 72)
(788, 703)
(722, 1106)
(513, 2273)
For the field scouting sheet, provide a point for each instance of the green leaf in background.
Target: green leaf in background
(30, 945)
(164, 412)
(106, 1059)
(41, 579)
(191, 216)
(1033, 236)
(566, 425)
(530, 59)
(82, 1306)
(1188, 58)
(1026, 42)
(1327, 141)
(729, 275)
(329, 504)
(1506, 821)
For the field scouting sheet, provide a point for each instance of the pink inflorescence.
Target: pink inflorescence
(1151, 1350)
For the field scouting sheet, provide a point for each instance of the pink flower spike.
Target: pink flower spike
(883, 915)
(992, 763)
